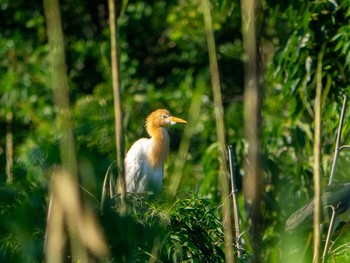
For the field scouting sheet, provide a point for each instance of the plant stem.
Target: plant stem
(329, 234)
(220, 131)
(337, 146)
(118, 111)
(180, 160)
(60, 86)
(56, 238)
(234, 201)
(317, 158)
(252, 108)
(9, 147)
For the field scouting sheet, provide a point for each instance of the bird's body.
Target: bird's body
(144, 162)
(339, 199)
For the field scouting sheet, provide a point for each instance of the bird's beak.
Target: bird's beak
(174, 120)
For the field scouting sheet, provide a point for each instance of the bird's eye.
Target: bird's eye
(164, 116)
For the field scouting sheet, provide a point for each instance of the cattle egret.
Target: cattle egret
(144, 162)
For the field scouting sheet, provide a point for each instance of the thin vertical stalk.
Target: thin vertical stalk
(252, 180)
(337, 146)
(68, 218)
(55, 239)
(234, 200)
(60, 86)
(220, 131)
(317, 158)
(329, 234)
(71, 218)
(55, 236)
(9, 147)
(180, 160)
(118, 111)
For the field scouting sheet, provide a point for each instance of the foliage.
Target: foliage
(164, 63)
(23, 217)
(195, 232)
(187, 231)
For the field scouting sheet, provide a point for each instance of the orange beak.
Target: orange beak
(176, 119)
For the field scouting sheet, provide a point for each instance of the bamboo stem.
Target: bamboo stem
(220, 131)
(337, 146)
(234, 201)
(329, 234)
(317, 158)
(118, 111)
(252, 108)
(180, 160)
(60, 86)
(9, 147)
(55, 239)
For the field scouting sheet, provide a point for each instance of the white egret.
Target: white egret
(144, 162)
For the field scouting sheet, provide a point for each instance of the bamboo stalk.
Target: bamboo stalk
(118, 111)
(338, 142)
(180, 160)
(55, 238)
(317, 158)
(234, 191)
(220, 131)
(60, 86)
(9, 147)
(71, 219)
(252, 108)
(338, 147)
(329, 234)
(106, 180)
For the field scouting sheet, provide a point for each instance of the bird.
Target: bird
(338, 199)
(144, 162)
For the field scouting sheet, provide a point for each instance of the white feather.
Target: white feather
(140, 177)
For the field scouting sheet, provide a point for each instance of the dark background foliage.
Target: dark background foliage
(164, 64)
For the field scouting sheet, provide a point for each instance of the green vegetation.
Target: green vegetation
(164, 63)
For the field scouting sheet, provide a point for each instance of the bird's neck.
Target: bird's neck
(159, 146)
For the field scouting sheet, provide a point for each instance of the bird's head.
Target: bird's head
(160, 118)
